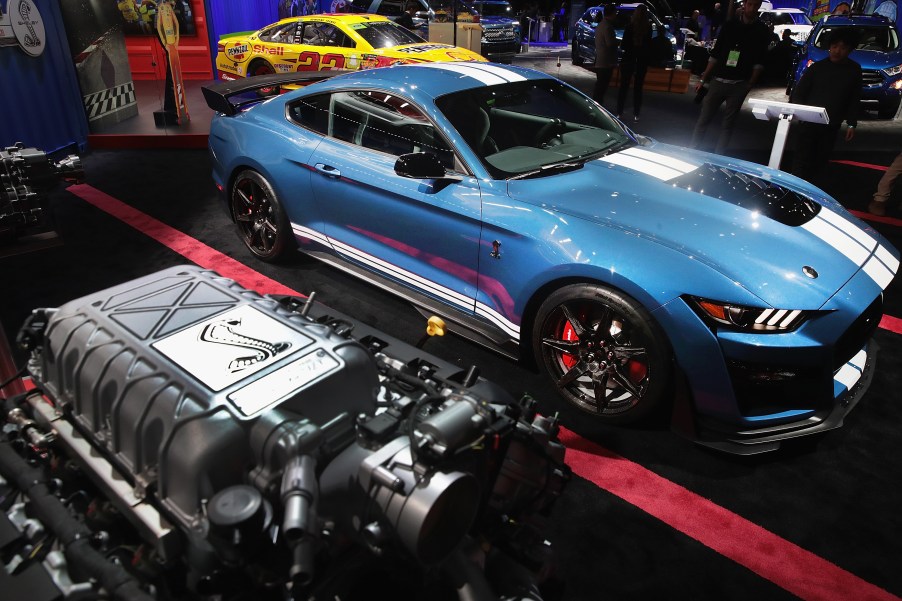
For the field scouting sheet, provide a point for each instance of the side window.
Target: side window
(311, 112)
(325, 34)
(385, 123)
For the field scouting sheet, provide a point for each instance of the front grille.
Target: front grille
(501, 34)
(855, 337)
(767, 389)
(871, 78)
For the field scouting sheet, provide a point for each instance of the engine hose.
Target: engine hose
(72, 534)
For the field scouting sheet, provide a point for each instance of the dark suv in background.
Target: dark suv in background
(583, 45)
(500, 33)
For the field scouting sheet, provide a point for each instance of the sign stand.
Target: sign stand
(168, 30)
(785, 112)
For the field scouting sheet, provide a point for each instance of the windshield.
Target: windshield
(494, 9)
(785, 18)
(528, 126)
(386, 34)
(879, 38)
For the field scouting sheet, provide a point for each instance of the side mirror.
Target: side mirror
(419, 165)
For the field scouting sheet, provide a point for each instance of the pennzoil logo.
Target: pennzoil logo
(237, 52)
(255, 350)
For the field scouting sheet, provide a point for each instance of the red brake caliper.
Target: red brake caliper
(637, 370)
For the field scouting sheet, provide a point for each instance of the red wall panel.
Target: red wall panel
(148, 60)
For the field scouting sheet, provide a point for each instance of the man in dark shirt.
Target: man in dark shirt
(835, 84)
(734, 67)
(406, 18)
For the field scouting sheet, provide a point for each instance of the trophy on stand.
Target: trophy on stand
(175, 106)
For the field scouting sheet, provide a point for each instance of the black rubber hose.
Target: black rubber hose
(72, 534)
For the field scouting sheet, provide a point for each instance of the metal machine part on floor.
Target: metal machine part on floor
(191, 439)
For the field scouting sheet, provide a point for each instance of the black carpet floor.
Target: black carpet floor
(837, 497)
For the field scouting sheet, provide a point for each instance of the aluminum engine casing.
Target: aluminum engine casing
(170, 372)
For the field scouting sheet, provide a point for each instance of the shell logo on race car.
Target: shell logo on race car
(237, 51)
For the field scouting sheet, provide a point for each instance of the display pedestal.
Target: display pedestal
(785, 112)
(469, 35)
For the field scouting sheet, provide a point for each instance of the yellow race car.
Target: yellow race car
(328, 41)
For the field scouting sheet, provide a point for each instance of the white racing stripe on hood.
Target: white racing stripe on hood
(663, 159)
(855, 244)
(498, 70)
(849, 374)
(663, 167)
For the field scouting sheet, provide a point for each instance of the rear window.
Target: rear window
(879, 38)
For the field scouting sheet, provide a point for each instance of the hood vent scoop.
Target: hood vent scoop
(750, 192)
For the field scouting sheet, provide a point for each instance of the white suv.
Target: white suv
(793, 19)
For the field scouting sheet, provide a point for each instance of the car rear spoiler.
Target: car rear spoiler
(217, 95)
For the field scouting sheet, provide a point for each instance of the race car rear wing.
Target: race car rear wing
(218, 95)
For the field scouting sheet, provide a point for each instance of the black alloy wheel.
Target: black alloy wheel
(262, 223)
(604, 352)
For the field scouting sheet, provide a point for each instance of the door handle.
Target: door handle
(327, 170)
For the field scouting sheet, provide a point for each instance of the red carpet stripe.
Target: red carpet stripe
(864, 165)
(879, 218)
(193, 250)
(893, 324)
(787, 565)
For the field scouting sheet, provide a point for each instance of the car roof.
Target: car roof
(842, 20)
(343, 17)
(432, 80)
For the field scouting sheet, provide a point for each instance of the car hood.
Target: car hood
(868, 59)
(755, 226)
(872, 59)
(430, 52)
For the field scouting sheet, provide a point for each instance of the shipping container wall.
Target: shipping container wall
(40, 101)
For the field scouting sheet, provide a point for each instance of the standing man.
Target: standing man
(605, 52)
(835, 84)
(406, 18)
(885, 187)
(735, 65)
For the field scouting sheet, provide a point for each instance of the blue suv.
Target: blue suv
(878, 52)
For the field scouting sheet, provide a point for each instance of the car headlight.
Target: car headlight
(893, 71)
(752, 319)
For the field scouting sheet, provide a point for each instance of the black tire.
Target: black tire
(575, 57)
(261, 67)
(591, 339)
(261, 220)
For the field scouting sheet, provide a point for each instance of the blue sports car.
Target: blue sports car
(535, 223)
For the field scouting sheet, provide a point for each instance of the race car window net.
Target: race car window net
(387, 34)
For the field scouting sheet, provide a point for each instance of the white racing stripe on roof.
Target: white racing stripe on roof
(661, 159)
(486, 77)
(501, 72)
(647, 167)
